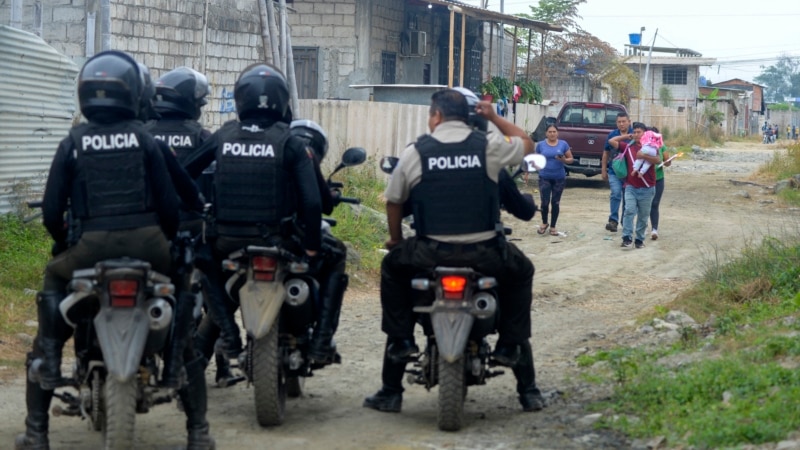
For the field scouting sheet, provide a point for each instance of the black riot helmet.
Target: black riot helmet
(181, 93)
(146, 111)
(474, 120)
(313, 135)
(110, 86)
(261, 92)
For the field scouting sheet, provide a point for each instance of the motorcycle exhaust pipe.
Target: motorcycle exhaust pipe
(484, 305)
(297, 291)
(159, 311)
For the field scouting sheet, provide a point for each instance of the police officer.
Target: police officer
(331, 272)
(179, 96)
(450, 177)
(257, 158)
(112, 176)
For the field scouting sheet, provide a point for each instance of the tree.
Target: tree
(573, 51)
(782, 79)
(665, 95)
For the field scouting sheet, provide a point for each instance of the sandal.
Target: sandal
(553, 232)
(543, 228)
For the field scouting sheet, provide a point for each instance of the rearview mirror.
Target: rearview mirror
(354, 156)
(534, 162)
(388, 163)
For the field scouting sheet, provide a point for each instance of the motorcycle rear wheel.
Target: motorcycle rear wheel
(269, 380)
(120, 411)
(98, 413)
(452, 391)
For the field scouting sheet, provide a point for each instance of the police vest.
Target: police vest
(183, 136)
(110, 188)
(250, 181)
(455, 195)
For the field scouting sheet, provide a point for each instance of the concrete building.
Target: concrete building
(676, 70)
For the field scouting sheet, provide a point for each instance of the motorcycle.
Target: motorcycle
(122, 314)
(278, 294)
(456, 322)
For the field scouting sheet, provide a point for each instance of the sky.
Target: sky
(739, 34)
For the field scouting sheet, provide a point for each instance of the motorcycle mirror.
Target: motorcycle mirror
(388, 163)
(353, 156)
(534, 162)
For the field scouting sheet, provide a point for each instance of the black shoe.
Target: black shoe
(200, 439)
(532, 402)
(612, 226)
(506, 354)
(400, 349)
(626, 242)
(385, 401)
(323, 352)
(639, 244)
(32, 440)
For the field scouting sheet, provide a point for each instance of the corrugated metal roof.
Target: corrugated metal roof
(486, 14)
(37, 105)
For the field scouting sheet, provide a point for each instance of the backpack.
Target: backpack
(619, 165)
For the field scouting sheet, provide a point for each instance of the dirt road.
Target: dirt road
(587, 293)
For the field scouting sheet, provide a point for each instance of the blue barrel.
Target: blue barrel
(635, 38)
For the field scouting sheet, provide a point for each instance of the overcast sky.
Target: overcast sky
(735, 32)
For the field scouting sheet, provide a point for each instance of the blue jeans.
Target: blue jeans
(616, 195)
(637, 203)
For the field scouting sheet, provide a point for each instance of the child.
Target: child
(651, 142)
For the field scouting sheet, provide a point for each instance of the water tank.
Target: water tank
(635, 38)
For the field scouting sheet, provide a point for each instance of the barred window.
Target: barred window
(388, 64)
(673, 75)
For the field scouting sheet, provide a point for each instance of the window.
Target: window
(426, 74)
(388, 64)
(673, 75)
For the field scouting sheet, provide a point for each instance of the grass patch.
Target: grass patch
(364, 229)
(24, 251)
(686, 139)
(714, 403)
(745, 388)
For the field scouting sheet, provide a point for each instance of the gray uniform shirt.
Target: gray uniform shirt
(501, 151)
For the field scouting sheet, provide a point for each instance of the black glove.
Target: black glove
(336, 194)
(58, 248)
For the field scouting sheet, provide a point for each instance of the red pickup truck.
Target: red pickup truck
(584, 125)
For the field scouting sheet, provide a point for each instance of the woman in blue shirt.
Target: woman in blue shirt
(552, 177)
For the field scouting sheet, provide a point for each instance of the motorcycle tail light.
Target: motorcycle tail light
(123, 293)
(453, 287)
(264, 268)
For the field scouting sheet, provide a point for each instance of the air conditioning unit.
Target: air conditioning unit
(418, 41)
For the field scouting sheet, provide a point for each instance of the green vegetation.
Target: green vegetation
(748, 390)
(744, 384)
(365, 231)
(24, 251)
(684, 140)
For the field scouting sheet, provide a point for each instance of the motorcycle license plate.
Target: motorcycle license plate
(589, 161)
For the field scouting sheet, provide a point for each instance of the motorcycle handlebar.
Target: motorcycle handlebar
(353, 200)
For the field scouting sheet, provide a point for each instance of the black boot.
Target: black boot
(224, 377)
(323, 350)
(390, 397)
(52, 333)
(37, 400)
(219, 310)
(206, 337)
(182, 325)
(194, 399)
(530, 397)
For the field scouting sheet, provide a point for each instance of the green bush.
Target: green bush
(24, 251)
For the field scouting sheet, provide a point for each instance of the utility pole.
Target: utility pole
(502, 41)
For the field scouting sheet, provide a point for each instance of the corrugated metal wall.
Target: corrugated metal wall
(37, 105)
(383, 129)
